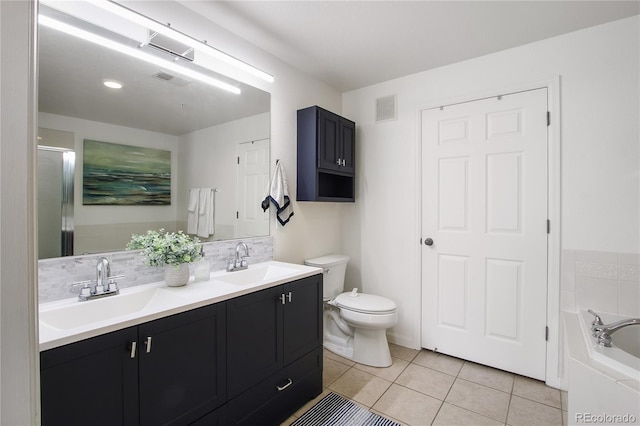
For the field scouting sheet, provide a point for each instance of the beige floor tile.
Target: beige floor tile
(564, 399)
(488, 376)
(536, 390)
(332, 370)
(362, 387)
(328, 354)
(401, 352)
(388, 373)
(479, 399)
(425, 380)
(450, 415)
(524, 412)
(408, 406)
(444, 363)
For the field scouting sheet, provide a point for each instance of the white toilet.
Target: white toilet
(355, 324)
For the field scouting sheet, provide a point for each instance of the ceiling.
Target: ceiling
(353, 44)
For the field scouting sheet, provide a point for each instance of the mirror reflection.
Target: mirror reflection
(217, 143)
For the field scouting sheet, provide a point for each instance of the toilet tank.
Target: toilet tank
(334, 266)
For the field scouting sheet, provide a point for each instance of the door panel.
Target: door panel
(253, 183)
(484, 205)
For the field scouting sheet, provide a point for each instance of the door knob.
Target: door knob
(428, 242)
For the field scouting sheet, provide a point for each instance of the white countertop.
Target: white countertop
(80, 317)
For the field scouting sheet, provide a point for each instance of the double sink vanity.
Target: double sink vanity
(244, 347)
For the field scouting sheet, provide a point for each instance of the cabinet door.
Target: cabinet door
(254, 339)
(348, 144)
(329, 148)
(92, 382)
(302, 317)
(182, 366)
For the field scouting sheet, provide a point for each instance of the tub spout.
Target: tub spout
(605, 331)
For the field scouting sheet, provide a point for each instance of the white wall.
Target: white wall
(19, 387)
(599, 84)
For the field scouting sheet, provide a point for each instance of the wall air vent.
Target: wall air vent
(386, 108)
(170, 78)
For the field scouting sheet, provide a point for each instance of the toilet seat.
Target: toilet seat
(365, 303)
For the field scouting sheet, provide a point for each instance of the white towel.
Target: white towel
(192, 210)
(279, 196)
(206, 213)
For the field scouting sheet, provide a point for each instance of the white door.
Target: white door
(484, 209)
(253, 183)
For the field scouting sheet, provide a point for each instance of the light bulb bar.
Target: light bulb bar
(180, 37)
(133, 52)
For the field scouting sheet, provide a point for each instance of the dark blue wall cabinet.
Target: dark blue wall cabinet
(326, 156)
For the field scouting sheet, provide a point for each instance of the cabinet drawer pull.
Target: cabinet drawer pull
(338, 162)
(283, 298)
(289, 296)
(344, 163)
(148, 343)
(281, 388)
(133, 349)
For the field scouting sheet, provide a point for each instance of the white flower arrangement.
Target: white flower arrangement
(166, 248)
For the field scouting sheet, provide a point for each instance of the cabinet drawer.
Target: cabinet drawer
(279, 396)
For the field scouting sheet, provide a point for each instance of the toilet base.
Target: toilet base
(337, 349)
(370, 347)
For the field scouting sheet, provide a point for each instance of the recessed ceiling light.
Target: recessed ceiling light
(112, 84)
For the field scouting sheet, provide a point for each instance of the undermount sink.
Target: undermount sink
(256, 274)
(93, 311)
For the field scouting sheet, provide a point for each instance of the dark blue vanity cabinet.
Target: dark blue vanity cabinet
(326, 156)
(274, 352)
(250, 360)
(168, 371)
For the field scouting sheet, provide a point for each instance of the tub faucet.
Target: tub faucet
(605, 331)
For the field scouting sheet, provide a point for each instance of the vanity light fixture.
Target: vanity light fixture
(133, 52)
(180, 37)
(112, 84)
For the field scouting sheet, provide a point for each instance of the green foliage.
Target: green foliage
(166, 248)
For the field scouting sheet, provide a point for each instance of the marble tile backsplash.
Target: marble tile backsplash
(55, 276)
(602, 281)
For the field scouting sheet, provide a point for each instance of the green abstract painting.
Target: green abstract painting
(115, 174)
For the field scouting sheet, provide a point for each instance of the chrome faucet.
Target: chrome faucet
(103, 272)
(239, 262)
(603, 332)
(104, 284)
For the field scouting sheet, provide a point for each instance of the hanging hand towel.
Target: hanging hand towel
(192, 211)
(279, 196)
(206, 212)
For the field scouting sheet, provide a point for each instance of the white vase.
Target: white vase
(176, 276)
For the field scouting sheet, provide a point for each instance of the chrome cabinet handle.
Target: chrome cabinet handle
(148, 343)
(283, 298)
(133, 349)
(281, 388)
(344, 163)
(338, 162)
(289, 297)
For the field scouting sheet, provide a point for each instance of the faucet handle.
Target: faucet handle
(113, 285)
(597, 320)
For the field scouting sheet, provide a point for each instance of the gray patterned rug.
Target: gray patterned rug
(334, 410)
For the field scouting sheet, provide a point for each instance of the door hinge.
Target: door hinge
(238, 160)
(546, 333)
(237, 215)
(548, 226)
(548, 118)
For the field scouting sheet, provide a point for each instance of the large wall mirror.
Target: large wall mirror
(212, 140)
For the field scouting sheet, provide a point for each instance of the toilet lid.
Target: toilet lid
(366, 303)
